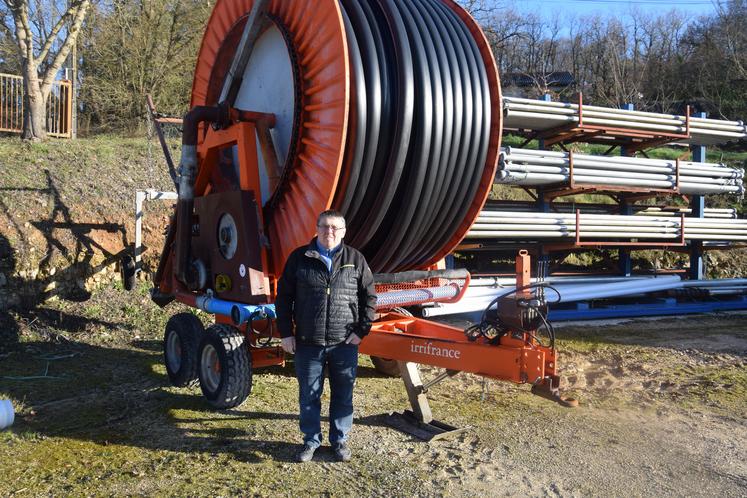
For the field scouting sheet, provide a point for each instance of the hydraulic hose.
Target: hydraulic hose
(187, 170)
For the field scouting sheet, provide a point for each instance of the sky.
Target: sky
(580, 8)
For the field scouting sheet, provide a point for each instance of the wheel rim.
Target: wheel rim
(210, 368)
(173, 351)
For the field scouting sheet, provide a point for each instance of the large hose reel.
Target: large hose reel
(386, 110)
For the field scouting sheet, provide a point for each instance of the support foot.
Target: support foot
(548, 389)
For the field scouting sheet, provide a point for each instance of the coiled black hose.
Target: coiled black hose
(419, 129)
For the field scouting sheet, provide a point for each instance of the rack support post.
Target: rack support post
(697, 205)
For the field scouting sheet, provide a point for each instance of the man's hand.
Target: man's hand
(353, 339)
(288, 344)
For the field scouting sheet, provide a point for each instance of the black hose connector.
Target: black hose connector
(219, 116)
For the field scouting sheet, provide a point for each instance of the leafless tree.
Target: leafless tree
(43, 33)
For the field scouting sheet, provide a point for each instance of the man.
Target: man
(325, 305)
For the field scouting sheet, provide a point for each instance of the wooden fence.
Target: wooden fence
(59, 106)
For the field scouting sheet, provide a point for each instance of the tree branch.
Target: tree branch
(81, 8)
(52, 36)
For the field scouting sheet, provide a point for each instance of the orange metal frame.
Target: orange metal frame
(420, 341)
(516, 358)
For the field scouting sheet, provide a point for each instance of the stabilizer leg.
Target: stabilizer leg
(419, 421)
(549, 388)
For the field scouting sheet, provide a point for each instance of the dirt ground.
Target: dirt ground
(663, 412)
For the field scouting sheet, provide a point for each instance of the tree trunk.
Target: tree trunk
(35, 114)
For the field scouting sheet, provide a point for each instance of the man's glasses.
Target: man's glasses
(324, 228)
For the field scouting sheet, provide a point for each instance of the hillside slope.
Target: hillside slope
(67, 210)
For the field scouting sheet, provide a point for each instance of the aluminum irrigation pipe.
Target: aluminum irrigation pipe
(523, 225)
(531, 171)
(613, 110)
(560, 166)
(586, 208)
(537, 121)
(528, 175)
(503, 282)
(515, 215)
(514, 151)
(567, 294)
(639, 117)
(541, 115)
(649, 173)
(536, 179)
(723, 282)
(552, 158)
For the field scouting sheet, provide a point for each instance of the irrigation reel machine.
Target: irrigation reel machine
(387, 110)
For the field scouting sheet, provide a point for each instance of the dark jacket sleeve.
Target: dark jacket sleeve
(366, 301)
(286, 297)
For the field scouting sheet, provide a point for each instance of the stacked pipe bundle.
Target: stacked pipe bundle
(527, 167)
(522, 226)
(589, 208)
(529, 114)
(571, 289)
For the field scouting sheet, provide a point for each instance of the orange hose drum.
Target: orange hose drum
(319, 49)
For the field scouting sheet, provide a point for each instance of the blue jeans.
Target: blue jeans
(342, 363)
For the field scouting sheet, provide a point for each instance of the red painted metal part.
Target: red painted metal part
(421, 341)
(496, 131)
(321, 53)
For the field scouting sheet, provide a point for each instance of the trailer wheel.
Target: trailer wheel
(225, 367)
(180, 340)
(385, 366)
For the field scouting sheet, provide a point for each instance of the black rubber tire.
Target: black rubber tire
(180, 340)
(385, 366)
(127, 271)
(225, 367)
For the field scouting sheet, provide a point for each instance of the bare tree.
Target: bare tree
(136, 48)
(43, 33)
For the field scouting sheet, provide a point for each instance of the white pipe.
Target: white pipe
(527, 225)
(643, 177)
(543, 121)
(715, 282)
(570, 105)
(640, 117)
(498, 282)
(571, 216)
(534, 179)
(561, 107)
(7, 415)
(511, 116)
(629, 164)
(570, 207)
(567, 294)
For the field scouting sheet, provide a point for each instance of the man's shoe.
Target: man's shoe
(306, 453)
(342, 452)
